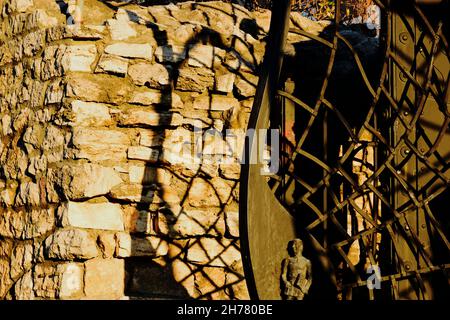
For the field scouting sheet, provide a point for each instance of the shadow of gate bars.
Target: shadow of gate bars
(364, 166)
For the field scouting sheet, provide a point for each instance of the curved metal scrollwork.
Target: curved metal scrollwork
(365, 157)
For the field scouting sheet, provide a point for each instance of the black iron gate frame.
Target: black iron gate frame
(418, 198)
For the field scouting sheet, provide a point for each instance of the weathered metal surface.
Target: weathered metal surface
(393, 213)
(267, 227)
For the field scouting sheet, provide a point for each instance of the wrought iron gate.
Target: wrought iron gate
(364, 173)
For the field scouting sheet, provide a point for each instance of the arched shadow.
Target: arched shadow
(202, 260)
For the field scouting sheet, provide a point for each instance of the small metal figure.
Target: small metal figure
(296, 275)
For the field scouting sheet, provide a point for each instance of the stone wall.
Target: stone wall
(101, 106)
(98, 198)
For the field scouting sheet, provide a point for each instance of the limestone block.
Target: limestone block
(63, 280)
(202, 194)
(71, 280)
(246, 85)
(215, 144)
(149, 117)
(174, 140)
(231, 171)
(37, 165)
(45, 283)
(54, 138)
(212, 192)
(6, 246)
(306, 24)
(198, 223)
(150, 246)
(183, 160)
(204, 55)
(221, 19)
(22, 119)
(20, 5)
(33, 136)
(240, 290)
(120, 29)
(170, 54)
(146, 97)
(130, 216)
(69, 244)
(79, 58)
(28, 194)
(232, 223)
(100, 216)
(107, 243)
(7, 196)
(210, 280)
(50, 65)
(210, 166)
(21, 259)
(169, 195)
(6, 124)
(78, 32)
(195, 79)
(88, 180)
(150, 138)
(161, 15)
(123, 245)
(100, 144)
(26, 22)
(104, 279)
(5, 279)
(43, 115)
(245, 50)
(26, 224)
(183, 274)
(151, 75)
(183, 34)
(133, 192)
(97, 88)
(182, 146)
(53, 94)
(189, 14)
(262, 18)
(180, 269)
(131, 50)
(142, 174)
(112, 64)
(215, 102)
(23, 289)
(149, 97)
(128, 15)
(235, 140)
(143, 153)
(33, 42)
(157, 225)
(235, 63)
(225, 82)
(40, 19)
(89, 114)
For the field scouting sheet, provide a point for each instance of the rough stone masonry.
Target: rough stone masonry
(98, 199)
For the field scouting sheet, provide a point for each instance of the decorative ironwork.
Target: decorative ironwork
(364, 173)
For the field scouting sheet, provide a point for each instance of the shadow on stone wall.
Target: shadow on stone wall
(196, 207)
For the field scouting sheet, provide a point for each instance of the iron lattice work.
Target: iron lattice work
(364, 172)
